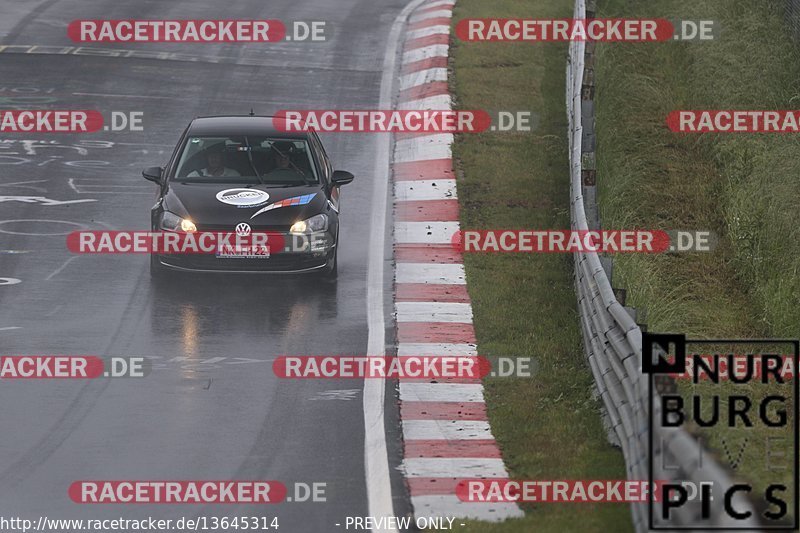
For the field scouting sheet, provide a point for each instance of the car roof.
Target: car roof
(243, 125)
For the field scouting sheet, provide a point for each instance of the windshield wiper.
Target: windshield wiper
(306, 179)
(252, 165)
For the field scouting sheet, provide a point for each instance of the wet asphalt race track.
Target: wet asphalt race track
(211, 408)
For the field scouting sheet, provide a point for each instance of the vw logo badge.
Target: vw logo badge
(242, 229)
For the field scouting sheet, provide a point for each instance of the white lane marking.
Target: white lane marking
(431, 15)
(422, 77)
(79, 225)
(376, 458)
(9, 328)
(404, 145)
(449, 506)
(42, 200)
(416, 190)
(125, 53)
(342, 395)
(453, 312)
(446, 274)
(23, 185)
(425, 232)
(444, 3)
(463, 467)
(80, 186)
(9, 281)
(439, 29)
(53, 23)
(424, 148)
(432, 348)
(62, 267)
(437, 103)
(446, 430)
(105, 225)
(426, 52)
(189, 363)
(441, 392)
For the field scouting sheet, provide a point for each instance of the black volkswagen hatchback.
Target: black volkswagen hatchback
(246, 173)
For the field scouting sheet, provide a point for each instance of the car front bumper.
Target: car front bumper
(299, 255)
(282, 263)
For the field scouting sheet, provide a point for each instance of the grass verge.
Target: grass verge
(548, 426)
(744, 187)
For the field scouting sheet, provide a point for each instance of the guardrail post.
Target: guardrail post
(589, 182)
(641, 318)
(638, 314)
(588, 139)
(608, 265)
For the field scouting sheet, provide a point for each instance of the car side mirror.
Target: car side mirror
(341, 177)
(153, 174)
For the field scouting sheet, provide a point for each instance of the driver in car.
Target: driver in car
(215, 166)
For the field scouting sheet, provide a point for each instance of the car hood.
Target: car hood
(217, 206)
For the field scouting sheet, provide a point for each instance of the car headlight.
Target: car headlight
(172, 222)
(310, 225)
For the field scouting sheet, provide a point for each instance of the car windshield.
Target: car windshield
(246, 159)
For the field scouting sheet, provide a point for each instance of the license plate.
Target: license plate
(243, 252)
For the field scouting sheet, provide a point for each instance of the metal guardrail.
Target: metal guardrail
(612, 339)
